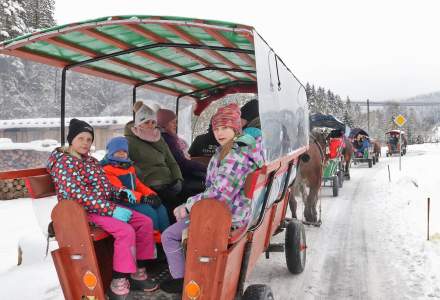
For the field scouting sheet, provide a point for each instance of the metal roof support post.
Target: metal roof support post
(177, 112)
(63, 105)
(134, 98)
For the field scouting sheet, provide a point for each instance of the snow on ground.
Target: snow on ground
(373, 240)
(372, 243)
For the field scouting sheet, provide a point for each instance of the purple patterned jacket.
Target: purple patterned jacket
(225, 179)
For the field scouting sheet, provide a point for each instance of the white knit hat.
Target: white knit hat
(143, 113)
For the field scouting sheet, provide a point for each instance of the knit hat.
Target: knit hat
(143, 113)
(249, 111)
(164, 116)
(116, 144)
(228, 116)
(76, 127)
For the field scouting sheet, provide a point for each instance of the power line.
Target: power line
(390, 103)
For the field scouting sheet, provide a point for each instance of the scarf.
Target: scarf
(146, 134)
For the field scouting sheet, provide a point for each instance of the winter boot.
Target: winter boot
(119, 290)
(172, 286)
(140, 281)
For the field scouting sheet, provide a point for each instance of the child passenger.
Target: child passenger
(238, 155)
(120, 171)
(79, 176)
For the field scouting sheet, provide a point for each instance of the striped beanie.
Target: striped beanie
(228, 116)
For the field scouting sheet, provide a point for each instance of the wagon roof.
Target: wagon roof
(171, 55)
(395, 131)
(355, 131)
(321, 120)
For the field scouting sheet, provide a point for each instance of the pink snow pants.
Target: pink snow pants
(133, 240)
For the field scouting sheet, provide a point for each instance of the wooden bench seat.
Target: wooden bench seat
(41, 186)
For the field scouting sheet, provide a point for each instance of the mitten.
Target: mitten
(128, 195)
(122, 214)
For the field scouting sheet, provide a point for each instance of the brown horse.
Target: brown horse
(347, 153)
(377, 149)
(309, 178)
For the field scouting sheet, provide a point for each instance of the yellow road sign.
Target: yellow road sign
(400, 120)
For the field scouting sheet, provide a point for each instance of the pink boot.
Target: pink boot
(119, 289)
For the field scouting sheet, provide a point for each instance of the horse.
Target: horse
(309, 179)
(347, 153)
(377, 149)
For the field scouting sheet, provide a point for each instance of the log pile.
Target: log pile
(15, 160)
(22, 159)
(12, 189)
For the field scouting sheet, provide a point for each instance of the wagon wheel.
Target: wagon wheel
(258, 292)
(295, 247)
(335, 184)
(340, 178)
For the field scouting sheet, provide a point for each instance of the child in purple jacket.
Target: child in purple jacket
(238, 155)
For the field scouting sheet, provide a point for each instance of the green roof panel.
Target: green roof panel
(85, 42)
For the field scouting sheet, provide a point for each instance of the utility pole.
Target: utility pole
(368, 116)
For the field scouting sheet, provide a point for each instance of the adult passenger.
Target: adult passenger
(193, 172)
(154, 163)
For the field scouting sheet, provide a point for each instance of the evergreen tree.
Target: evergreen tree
(39, 14)
(12, 19)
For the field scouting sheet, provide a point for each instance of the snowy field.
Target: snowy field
(372, 243)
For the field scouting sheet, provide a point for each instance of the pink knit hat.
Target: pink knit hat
(228, 116)
(164, 116)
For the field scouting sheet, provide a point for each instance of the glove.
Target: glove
(152, 200)
(122, 214)
(128, 195)
(253, 131)
(176, 186)
(180, 212)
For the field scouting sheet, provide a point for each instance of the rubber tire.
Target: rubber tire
(370, 163)
(335, 186)
(340, 178)
(295, 258)
(258, 292)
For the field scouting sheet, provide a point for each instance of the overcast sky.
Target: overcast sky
(376, 49)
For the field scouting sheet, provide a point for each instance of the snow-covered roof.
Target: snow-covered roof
(39, 145)
(55, 122)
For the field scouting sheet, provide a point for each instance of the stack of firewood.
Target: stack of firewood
(12, 189)
(22, 159)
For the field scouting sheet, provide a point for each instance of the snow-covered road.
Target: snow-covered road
(372, 243)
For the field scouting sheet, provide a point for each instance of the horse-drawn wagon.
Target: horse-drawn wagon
(201, 61)
(363, 148)
(333, 165)
(396, 142)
